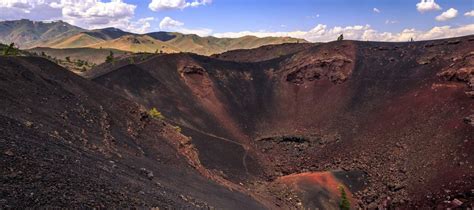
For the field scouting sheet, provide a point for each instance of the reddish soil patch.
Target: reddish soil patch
(316, 189)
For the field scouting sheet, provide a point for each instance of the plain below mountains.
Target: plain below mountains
(61, 35)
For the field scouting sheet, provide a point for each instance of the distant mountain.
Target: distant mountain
(27, 33)
(61, 35)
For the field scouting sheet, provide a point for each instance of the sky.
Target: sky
(313, 20)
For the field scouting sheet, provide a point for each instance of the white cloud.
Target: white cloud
(470, 13)
(321, 33)
(391, 21)
(157, 5)
(449, 14)
(168, 22)
(29, 9)
(376, 10)
(85, 13)
(313, 16)
(173, 25)
(94, 13)
(141, 26)
(427, 5)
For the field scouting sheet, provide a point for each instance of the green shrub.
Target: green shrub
(10, 50)
(178, 129)
(80, 63)
(344, 203)
(154, 113)
(110, 57)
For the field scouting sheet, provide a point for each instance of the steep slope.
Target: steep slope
(26, 33)
(67, 142)
(401, 113)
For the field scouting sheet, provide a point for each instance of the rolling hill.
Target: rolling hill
(62, 35)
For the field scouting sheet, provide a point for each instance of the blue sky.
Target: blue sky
(240, 15)
(316, 20)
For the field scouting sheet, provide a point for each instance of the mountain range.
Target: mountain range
(29, 34)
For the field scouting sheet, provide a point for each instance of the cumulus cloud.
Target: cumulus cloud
(31, 9)
(470, 13)
(170, 24)
(427, 5)
(157, 5)
(85, 13)
(376, 10)
(449, 14)
(140, 26)
(94, 13)
(322, 33)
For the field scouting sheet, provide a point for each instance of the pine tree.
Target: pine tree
(340, 38)
(10, 50)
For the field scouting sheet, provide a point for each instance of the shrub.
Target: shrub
(344, 204)
(68, 59)
(178, 129)
(110, 57)
(10, 50)
(80, 63)
(154, 113)
(340, 38)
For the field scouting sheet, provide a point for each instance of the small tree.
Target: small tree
(340, 38)
(154, 113)
(68, 59)
(10, 50)
(110, 57)
(344, 203)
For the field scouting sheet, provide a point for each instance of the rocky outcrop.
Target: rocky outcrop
(333, 64)
(333, 69)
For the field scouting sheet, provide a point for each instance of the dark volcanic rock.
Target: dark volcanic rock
(81, 145)
(231, 129)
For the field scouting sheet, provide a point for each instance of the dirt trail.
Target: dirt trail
(245, 147)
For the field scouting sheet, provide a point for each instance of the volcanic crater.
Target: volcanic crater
(389, 122)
